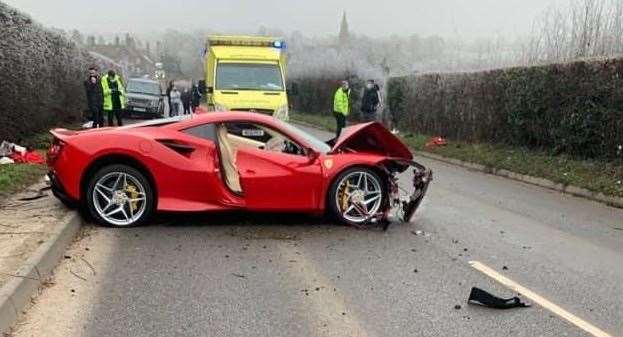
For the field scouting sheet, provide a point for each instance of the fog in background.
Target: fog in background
(470, 18)
(377, 39)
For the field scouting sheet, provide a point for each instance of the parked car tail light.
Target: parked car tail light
(55, 151)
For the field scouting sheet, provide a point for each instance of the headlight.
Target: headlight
(282, 113)
(220, 107)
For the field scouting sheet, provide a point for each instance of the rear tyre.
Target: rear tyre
(357, 196)
(119, 196)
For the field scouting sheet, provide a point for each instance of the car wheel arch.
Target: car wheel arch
(116, 158)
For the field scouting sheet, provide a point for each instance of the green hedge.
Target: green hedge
(573, 108)
(41, 74)
(315, 94)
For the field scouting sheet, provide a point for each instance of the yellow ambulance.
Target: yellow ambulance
(246, 73)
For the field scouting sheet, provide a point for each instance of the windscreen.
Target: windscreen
(314, 142)
(148, 88)
(248, 76)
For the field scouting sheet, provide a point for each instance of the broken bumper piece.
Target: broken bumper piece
(421, 179)
(405, 206)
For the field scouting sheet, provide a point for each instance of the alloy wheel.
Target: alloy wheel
(359, 196)
(119, 198)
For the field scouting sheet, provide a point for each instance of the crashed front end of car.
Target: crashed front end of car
(401, 203)
(374, 138)
(404, 203)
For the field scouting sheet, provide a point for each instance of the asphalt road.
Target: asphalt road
(276, 275)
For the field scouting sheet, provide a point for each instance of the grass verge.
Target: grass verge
(14, 177)
(596, 176)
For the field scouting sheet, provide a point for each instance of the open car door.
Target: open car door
(273, 180)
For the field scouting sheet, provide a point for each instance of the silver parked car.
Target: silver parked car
(145, 98)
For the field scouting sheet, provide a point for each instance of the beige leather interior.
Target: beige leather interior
(229, 145)
(228, 159)
(236, 142)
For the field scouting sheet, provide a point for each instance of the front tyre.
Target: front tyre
(357, 196)
(119, 196)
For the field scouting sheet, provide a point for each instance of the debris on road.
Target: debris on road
(420, 233)
(262, 235)
(480, 297)
(239, 275)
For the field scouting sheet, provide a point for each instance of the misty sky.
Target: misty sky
(468, 18)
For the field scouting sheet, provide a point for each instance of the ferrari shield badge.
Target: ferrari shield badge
(328, 163)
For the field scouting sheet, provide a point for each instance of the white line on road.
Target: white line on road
(582, 324)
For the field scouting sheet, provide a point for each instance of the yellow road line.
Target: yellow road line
(536, 298)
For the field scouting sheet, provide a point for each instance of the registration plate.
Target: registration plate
(140, 109)
(252, 132)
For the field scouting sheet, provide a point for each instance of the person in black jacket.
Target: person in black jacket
(186, 100)
(95, 98)
(196, 97)
(169, 88)
(370, 102)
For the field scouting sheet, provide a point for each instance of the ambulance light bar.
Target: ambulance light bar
(245, 41)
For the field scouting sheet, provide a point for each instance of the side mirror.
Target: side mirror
(294, 89)
(210, 90)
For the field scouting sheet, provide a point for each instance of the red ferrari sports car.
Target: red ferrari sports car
(232, 161)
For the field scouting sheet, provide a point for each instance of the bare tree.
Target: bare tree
(586, 28)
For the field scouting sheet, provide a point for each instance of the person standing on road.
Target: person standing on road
(186, 100)
(341, 107)
(95, 98)
(176, 101)
(114, 97)
(169, 88)
(370, 102)
(196, 97)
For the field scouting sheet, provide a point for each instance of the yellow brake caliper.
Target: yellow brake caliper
(344, 196)
(131, 190)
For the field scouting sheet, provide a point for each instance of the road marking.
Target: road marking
(536, 298)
